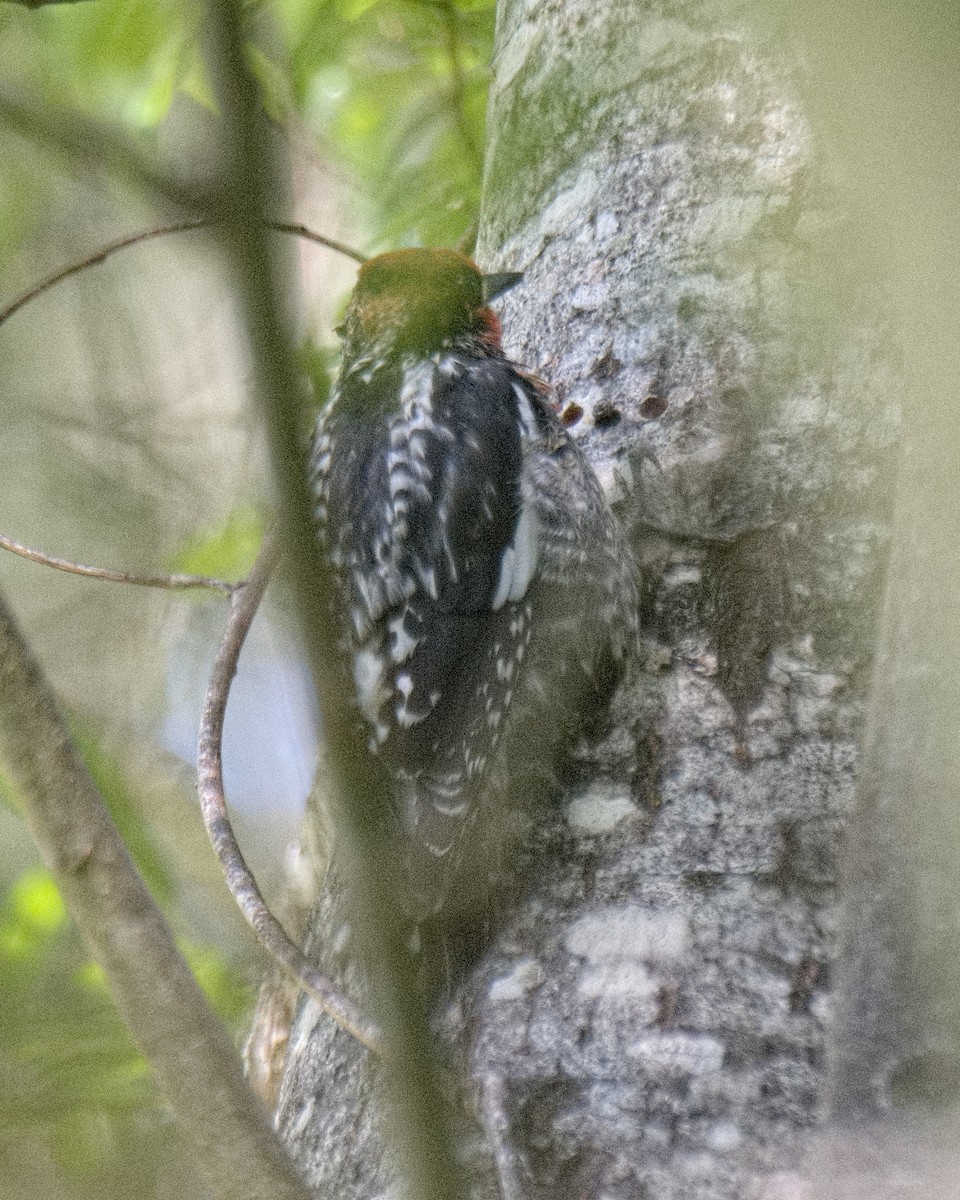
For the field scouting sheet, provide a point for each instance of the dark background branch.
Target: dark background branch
(248, 181)
(83, 142)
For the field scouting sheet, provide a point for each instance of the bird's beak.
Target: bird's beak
(495, 285)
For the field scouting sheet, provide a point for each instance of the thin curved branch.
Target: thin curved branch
(92, 260)
(244, 603)
(170, 582)
(145, 235)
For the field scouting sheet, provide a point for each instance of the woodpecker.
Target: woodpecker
(481, 577)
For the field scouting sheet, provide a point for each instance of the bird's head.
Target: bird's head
(421, 301)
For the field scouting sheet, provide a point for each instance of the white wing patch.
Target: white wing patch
(519, 561)
(525, 410)
(368, 678)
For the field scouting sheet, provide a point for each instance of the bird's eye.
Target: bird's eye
(341, 329)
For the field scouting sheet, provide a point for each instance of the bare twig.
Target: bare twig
(245, 601)
(320, 238)
(145, 235)
(91, 260)
(237, 1150)
(246, 596)
(171, 582)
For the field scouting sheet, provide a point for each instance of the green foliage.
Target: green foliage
(393, 91)
(35, 910)
(227, 992)
(122, 60)
(69, 1071)
(397, 90)
(69, 1067)
(226, 552)
(319, 364)
(74, 1089)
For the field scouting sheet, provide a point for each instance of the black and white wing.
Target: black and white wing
(436, 541)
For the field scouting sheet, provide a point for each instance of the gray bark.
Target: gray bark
(650, 1022)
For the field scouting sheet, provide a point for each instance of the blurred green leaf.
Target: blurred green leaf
(33, 911)
(36, 900)
(274, 83)
(68, 1066)
(91, 975)
(319, 365)
(227, 552)
(394, 91)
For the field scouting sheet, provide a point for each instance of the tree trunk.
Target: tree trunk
(650, 1022)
